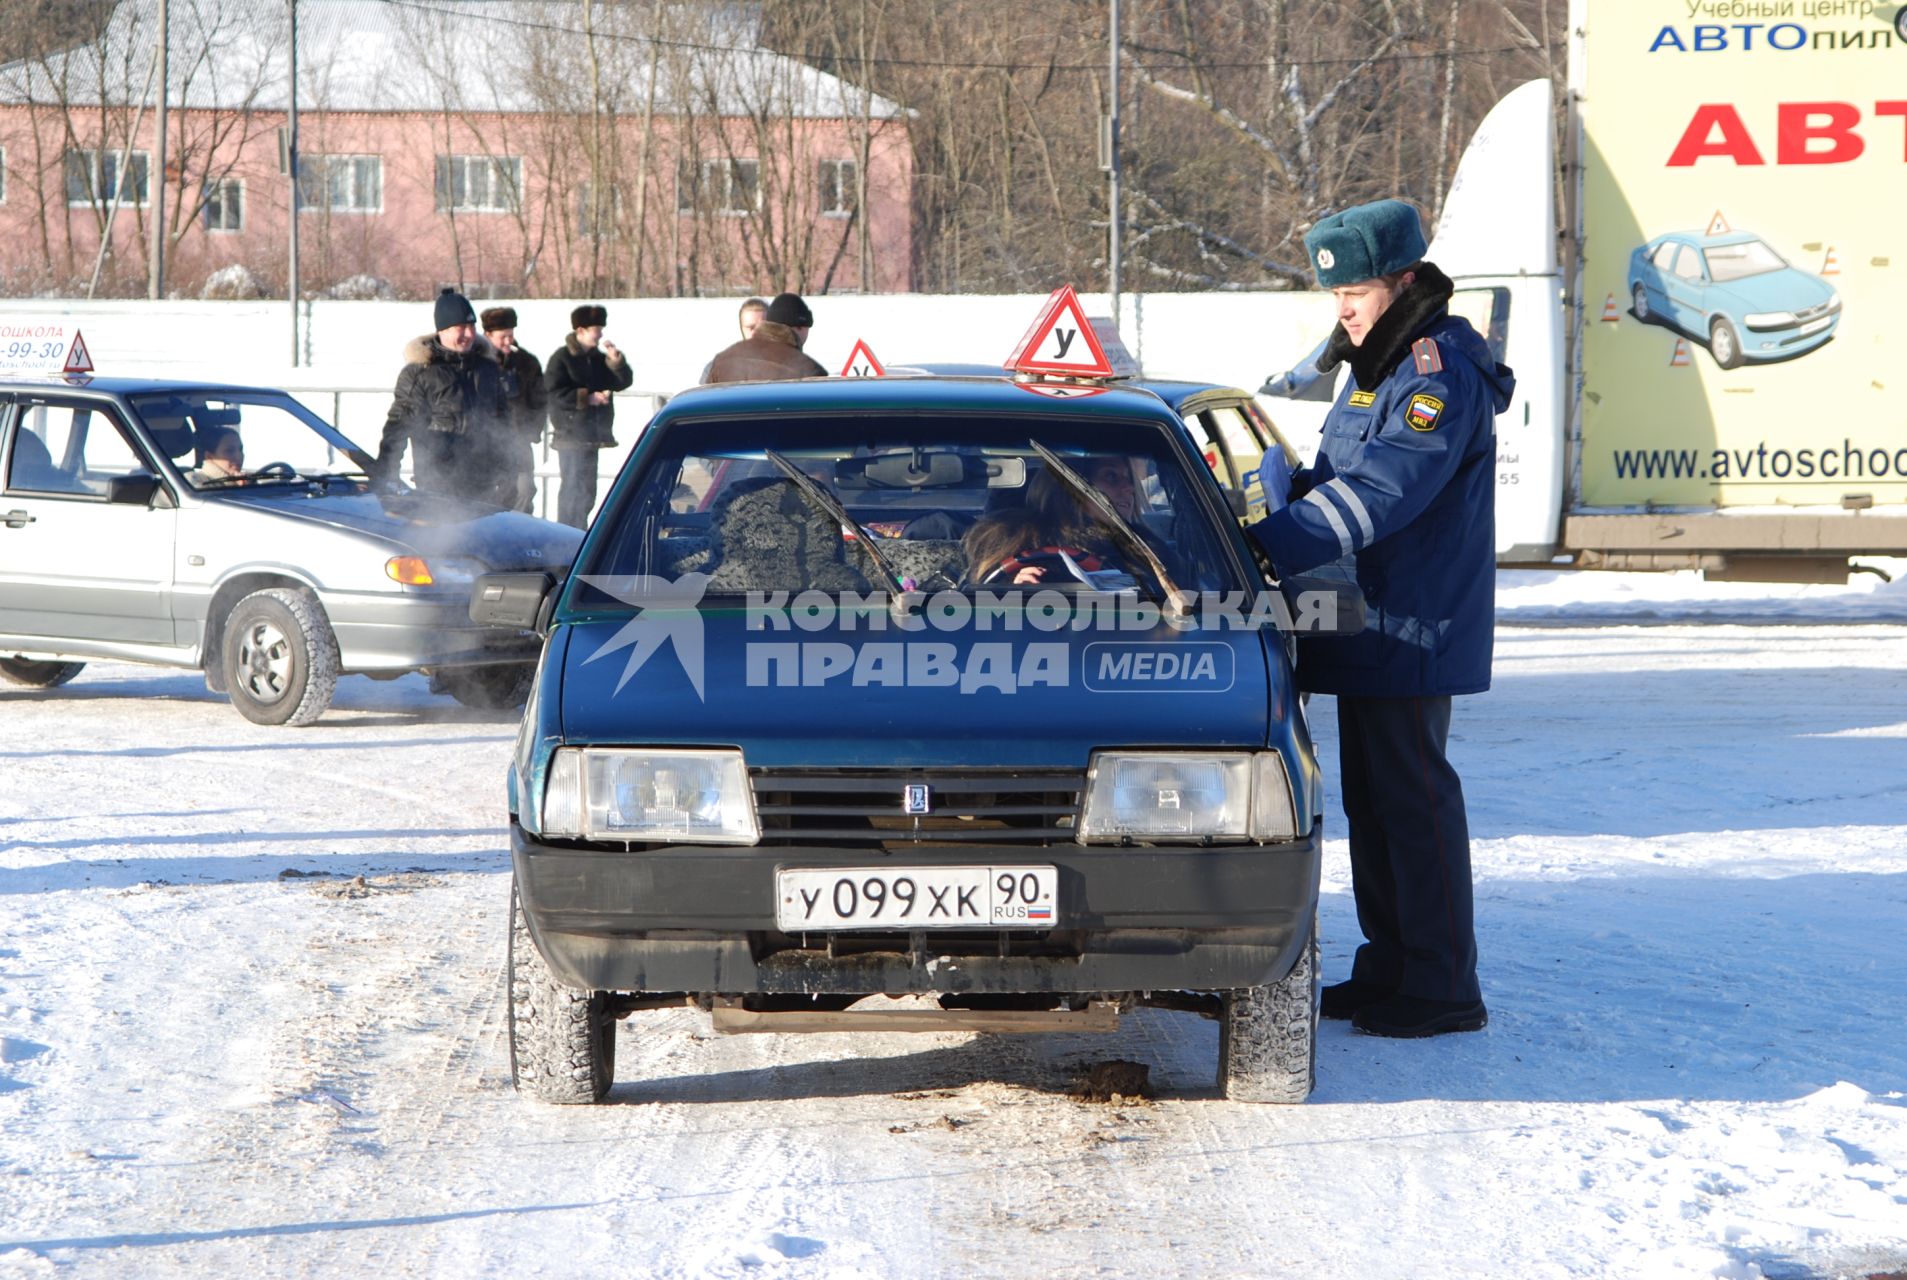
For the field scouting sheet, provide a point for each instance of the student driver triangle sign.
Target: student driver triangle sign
(1061, 341)
(861, 362)
(78, 359)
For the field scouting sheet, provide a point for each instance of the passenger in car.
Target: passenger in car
(1052, 538)
(221, 457)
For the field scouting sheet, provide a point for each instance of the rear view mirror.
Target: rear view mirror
(514, 600)
(133, 490)
(1236, 503)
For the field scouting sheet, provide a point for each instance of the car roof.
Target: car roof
(120, 386)
(1703, 240)
(1176, 392)
(920, 394)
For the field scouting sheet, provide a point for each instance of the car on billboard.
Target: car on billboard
(229, 529)
(1733, 293)
(804, 753)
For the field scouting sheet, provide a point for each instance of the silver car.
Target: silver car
(231, 530)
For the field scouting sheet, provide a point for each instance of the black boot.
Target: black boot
(1342, 1000)
(1411, 1018)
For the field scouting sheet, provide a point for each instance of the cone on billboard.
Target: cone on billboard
(1609, 313)
(1679, 357)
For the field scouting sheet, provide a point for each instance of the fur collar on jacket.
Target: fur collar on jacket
(425, 349)
(777, 333)
(1413, 310)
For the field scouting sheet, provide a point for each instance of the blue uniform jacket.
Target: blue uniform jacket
(1405, 480)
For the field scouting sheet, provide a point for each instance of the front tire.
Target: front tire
(1640, 309)
(562, 1040)
(1724, 343)
(38, 675)
(280, 658)
(1268, 1036)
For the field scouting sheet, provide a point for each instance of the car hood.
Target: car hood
(1787, 290)
(836, 697)
(428, 525)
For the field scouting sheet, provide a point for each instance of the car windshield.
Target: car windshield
(231, 439)
(1728, 262)
(949, 503)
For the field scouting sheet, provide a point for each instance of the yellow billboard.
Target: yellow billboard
(1743, 164)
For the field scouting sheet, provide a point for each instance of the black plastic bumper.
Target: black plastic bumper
(701, 919)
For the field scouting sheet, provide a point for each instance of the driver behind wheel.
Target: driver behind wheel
(221, 458)
(1052, 538)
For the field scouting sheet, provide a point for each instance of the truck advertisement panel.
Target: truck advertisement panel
(1741, 167)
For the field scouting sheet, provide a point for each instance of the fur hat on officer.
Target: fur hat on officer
(496, 318)
(1364, 242)
(588, 316)
(452, 310)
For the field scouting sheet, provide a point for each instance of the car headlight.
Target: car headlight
(1187, 796)
(1770, 320)
(685, 797)
(441, 571)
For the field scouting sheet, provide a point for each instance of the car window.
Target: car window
(1206, 438)
(711, 500)
(1728, 262)
(256, 431)
(1664, 255)
(1688, 265)
(70, 449)
(1488, 311)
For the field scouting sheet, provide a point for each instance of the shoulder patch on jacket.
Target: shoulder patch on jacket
(1424, 352)
(1423, 412)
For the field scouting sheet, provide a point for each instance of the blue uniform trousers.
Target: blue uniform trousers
(1410, 847)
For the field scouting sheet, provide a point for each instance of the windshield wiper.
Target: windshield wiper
(821, 500)
(1122, 533)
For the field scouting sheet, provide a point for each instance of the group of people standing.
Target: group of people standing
(472, 406)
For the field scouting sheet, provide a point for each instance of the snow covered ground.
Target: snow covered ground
(250, 1011)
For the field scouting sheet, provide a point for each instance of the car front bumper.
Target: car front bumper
(701, 920)
(379, 632)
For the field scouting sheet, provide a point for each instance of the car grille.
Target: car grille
(1813, 312)
(866, 806)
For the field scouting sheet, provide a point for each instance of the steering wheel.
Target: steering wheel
(277, 469)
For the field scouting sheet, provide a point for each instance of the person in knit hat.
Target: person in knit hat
(529, 402)
(581, 380)
(450, 409)
(773, 351)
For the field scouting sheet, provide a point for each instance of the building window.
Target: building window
(837, 185)
(600, 223)
(225, 205)
(342, 184)
(478, 184)
(93, 177)
(718, 186)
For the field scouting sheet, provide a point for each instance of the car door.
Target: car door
(1685, 287)
(75, 566)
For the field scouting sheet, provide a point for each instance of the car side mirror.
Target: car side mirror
(516, 600)
(136, 491)
(1236, 503)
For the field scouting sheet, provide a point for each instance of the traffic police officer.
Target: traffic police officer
(1404, 481)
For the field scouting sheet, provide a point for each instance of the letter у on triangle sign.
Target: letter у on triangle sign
(861, 363)
(1061, 341)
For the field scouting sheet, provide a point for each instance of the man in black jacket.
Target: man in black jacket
(449, 407)
(529, 403)
(581, 380)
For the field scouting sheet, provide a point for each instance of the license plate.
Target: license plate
(916, 898)
(1815, 326)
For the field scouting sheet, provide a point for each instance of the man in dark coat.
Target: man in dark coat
(773, 351)
(580, 380)
(523, 384)
(449, 407)
(1404, 481)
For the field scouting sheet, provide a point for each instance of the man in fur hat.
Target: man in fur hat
(773, 351)
(449, 407)
(1404, 485)
(529, 403)
(581, 380)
